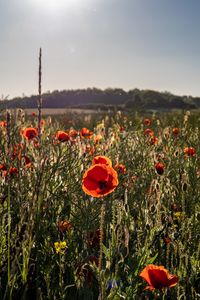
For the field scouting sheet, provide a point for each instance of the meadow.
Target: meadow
(96, 207)
(60, 111)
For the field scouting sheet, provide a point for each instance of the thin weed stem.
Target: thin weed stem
(102, 215)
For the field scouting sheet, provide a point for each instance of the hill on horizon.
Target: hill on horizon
(92, 98)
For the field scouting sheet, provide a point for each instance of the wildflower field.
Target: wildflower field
(100, 207)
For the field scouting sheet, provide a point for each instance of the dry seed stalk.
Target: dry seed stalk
(40, 93)
(8, 127)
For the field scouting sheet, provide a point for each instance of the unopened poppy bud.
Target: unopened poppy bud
(184, 187)
(159, 168)
(153, 208)
(147, 226)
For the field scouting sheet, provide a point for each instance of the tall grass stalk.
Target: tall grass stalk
(40, 92)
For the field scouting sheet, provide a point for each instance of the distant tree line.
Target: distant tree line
(106, 99)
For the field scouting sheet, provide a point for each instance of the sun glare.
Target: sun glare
(55, 5)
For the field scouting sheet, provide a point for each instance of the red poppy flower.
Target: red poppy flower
(13, 171)
(189, 151)
(147, 122)
(158, 277)
(159, 168)
(3, 168)
(154, 140)
(3, 124)
(30, 133)
(42, 122)
(99, 180)
(26, 161)
(100, 159)
(148, 131)
(121, 168)
(33, 114)
(62, 136)
(176, 131)
(86, 133)
(73, 133)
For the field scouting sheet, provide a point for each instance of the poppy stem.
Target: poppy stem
(102, 219)
(101, 233)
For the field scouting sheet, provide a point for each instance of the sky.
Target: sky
(145, 44)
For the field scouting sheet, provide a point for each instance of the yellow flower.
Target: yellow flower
(60, 247)
(179, 216)
(101, 125)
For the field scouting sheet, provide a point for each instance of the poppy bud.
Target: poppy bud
(176, 131)
(159, 168)
(184, 187)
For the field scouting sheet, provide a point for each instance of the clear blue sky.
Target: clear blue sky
(146, 44)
